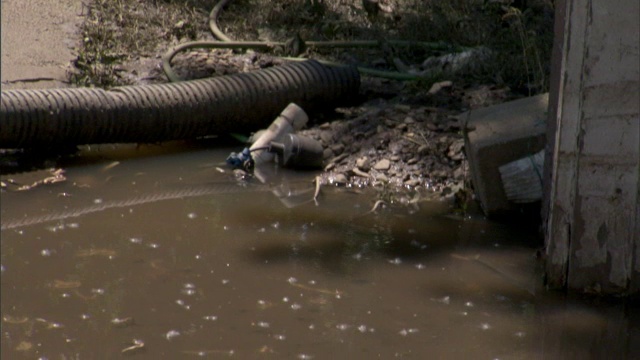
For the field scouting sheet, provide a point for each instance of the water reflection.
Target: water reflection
(241, 273)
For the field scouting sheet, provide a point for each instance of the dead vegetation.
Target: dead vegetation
(117, 33)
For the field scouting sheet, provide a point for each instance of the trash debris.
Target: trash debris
(291, 150)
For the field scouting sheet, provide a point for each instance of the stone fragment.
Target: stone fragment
(326, 137)
(409, 120)
(382, 177)
(339, 179)
(455, 150)
(330, 167)
(360, 173)
(363, 163)
(327, 153)
(383, 164)
(337, 148)
(412, 182)
(423, 149)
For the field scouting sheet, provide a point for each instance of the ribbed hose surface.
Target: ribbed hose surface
(152, 113)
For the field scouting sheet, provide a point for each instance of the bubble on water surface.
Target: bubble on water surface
(304, 357)
(275, 225)
(443, 300)
(405, 332)
(135, 240)
(153, 245)
(188, 292)
(485, 326)
(469, 304)
(46, 252)
(181, 303)
(261, 230)
(210, 317)
(262, 324)
(171, 334)
(296, 306)
(97, 201)
(420, 266)
(362, 328)
(192, 215)
(520, 334)
(292, 280)
(396, 261)
(225, 281)
(279, 337)
(342, 327)
(97, 291)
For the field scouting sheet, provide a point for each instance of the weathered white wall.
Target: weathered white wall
(593, 227)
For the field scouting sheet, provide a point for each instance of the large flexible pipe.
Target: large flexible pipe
(151, 113)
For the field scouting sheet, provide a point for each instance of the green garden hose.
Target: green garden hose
(298, 47)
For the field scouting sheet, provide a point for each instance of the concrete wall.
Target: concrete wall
(593, 157)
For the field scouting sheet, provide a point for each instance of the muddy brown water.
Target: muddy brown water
(160, 255)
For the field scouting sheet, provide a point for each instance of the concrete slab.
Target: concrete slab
(498, 135)
(37, 38)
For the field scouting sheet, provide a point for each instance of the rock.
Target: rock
(339, 179)
(363, 164)
(394, 158)
(337, 148)
(327, 154)
(382, 177)
(409, 120)
(423, 149)
(455, 150)
(412, 182)
(412, 161)
(360, 173)
(383, 164)
(339, 158)
(326, 137)
(432, 127)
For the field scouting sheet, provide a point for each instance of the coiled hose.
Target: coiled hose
(299, 45)
(152, 113)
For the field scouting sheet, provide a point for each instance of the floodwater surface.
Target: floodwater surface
(168, 256)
